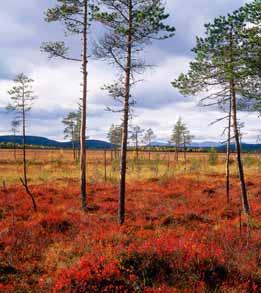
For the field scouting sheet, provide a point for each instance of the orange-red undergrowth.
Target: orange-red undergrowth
(179, 236)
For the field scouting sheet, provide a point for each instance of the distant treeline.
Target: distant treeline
(247, 148)
(100, 145)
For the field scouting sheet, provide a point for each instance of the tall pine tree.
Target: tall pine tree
(130, 26)
(225, 68)
(76, 16)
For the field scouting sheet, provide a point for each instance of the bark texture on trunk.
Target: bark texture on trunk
(137, 147)
(14, 147)
(232, 86)
(83, 112)
(245, 202)
(228, 153)
(177, 153)
(124, 142)
(24, 180)
(105, 165)
(185, 155)
(24, 148)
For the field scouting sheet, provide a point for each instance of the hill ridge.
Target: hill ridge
(46, 142)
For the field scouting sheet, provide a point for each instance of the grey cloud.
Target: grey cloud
(23, 29)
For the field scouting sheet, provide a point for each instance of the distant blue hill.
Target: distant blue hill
(247, 147)
(158, 144)
(204, 144)
(99, 144)
(45, 142)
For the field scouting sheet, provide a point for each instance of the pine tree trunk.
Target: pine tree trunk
(24, 181)
(124, 143)
(244, 195)
(74, 150)
(228, 152)
(14, 146)
(137, 147)
(185, 154)
(105, 165)
(24, 148)
(83, 113)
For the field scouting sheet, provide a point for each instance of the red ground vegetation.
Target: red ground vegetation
(180, 236)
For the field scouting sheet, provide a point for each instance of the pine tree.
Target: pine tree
(135, 136)
(22, 97)
(148, 138)
(177, 136)
(115, 136)
(76, 16)
(186, 141)
(131, 25)
(72, 130)
(225, 66)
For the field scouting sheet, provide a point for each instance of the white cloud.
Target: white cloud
(197, 119)
(57, 83)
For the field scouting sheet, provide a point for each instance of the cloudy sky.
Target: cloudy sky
(57, 82)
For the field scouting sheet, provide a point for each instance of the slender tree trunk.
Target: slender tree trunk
(244, 195)
(74, 149)
(24, 149)
(24, 181)
(228, 152)
(83, 113)
(124, 143)
(137, 147)
(78, 150)
(105, 165)
(185, 154)
(14, 146)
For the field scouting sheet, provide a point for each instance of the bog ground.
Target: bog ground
(180, 235)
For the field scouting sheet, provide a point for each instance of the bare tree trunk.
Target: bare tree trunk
(24, 180)
(228, 152)
(185, 154)
(124, 143)
(24, 149)
(14, 146)
(83, 113)
(123, 158)
(74, 151)
(115, 153)
(137, 147)
(105, 165)
(244, 195)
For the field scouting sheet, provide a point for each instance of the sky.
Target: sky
(57, 82)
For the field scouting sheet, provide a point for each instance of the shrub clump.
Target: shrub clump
(93, 275)
(55, 223)
(156, 262)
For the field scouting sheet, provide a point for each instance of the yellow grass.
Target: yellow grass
(59, 165)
